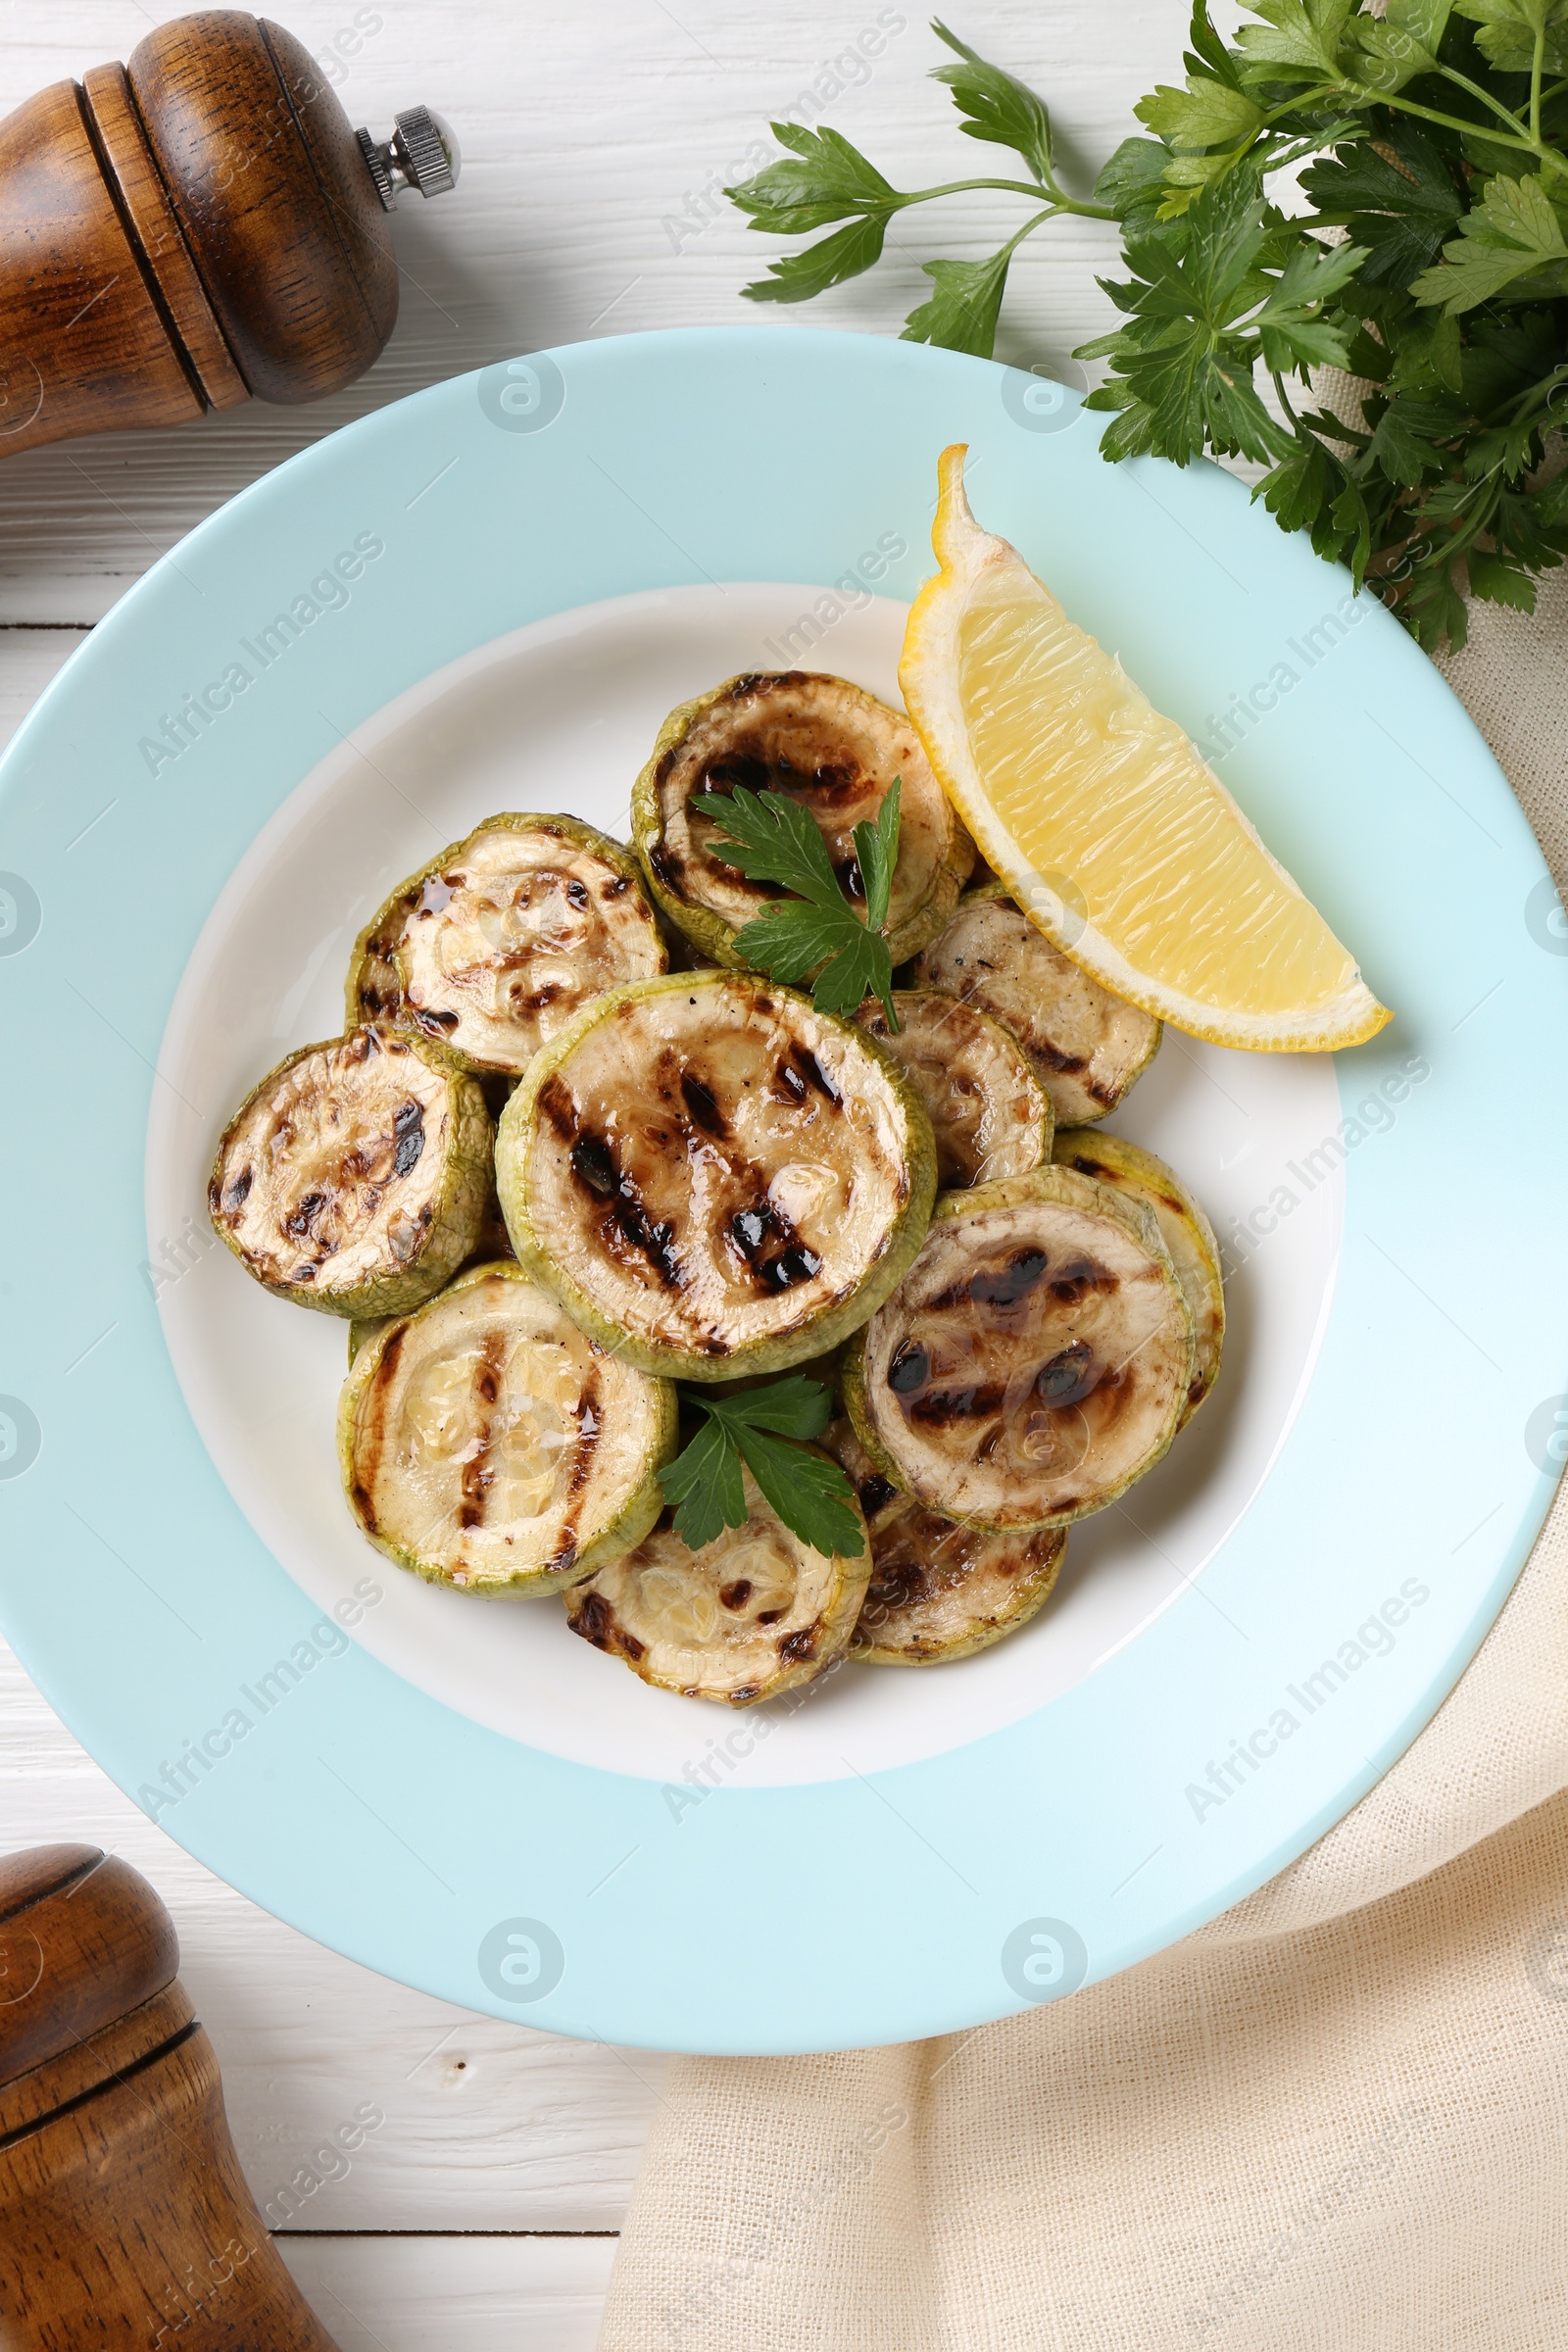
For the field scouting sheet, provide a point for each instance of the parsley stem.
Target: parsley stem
(1536, 65)
(1499, 138)
(1283, 399)
(1504, 113)
(1011, 187)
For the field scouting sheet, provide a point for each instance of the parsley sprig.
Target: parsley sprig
(770, 838)
(810, 1494)
(1433, 262)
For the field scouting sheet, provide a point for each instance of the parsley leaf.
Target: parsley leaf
(760, 1427)
(828, 180)
(1000, 107)
(705, 1481)
(961, 315)
(876, 850)
(1515, 230)
(772, 838)
(823, 178)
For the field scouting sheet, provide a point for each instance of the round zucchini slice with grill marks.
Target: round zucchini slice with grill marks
(487, 1443)
(494, 945)
(990, 1113)
(1184, 1228)
(827, 745)
(1087, 1045)
(714, 1177)
(939, 1591)
(354, 1178)
(752, 1613)
(1035, 1360)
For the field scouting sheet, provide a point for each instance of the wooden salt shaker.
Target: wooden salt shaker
(195, 228)
(124, 2219)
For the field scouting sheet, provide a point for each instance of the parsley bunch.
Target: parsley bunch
(810, 1494)
(1431, 146)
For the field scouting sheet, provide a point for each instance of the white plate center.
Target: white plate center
(561, 716)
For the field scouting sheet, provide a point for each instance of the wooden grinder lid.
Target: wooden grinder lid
(83, 1938)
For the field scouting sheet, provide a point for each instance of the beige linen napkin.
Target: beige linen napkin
(1336, 2120)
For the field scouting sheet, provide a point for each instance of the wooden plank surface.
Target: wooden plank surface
(595, 140)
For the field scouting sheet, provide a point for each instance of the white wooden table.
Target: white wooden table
(482, 2211)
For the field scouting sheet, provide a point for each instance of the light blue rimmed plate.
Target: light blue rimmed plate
(488, 596)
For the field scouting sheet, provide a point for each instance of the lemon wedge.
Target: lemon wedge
(1108, 829)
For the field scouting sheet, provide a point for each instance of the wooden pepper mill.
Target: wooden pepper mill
(124, 2219)
(195, 228)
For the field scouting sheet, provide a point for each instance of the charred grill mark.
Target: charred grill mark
(939, 1409)
(794, 1265)
(1066, 1065)
(719, 777)
(664, 865)
(595, 1620)
(578, 892)
(590, 1427)
(737, 1594)
(558, 1108)
(478, 1471)
(1068, 1377)
(370, 1439)
(909, 1369)
(593, 1165)
(797, 1646)
(875, 1493)
(1003, 1285)
(565, 1557)
(768, 1616)
(898, 1582)
(539, 1001)
(615, 888)
(301, 1219)
(701, 1105)
(744, 1693)
(851, 880)
(434, 1019)
(1075, 1280)
(812, 1070)
(238, 1192)
(408, 1129)
(793, 1261)
(1086, 1166)
(655, 1243)
(788, 1085)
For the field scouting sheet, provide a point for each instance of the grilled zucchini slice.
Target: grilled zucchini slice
(354, 1178)
(487, 1443)
(829, 746)
(714, 1177)
(1087, 1045)
(990, 1113)
(1035, 1360)
(1187, 1234)
(752, 1613)
(492, 946)
(938, 1590)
